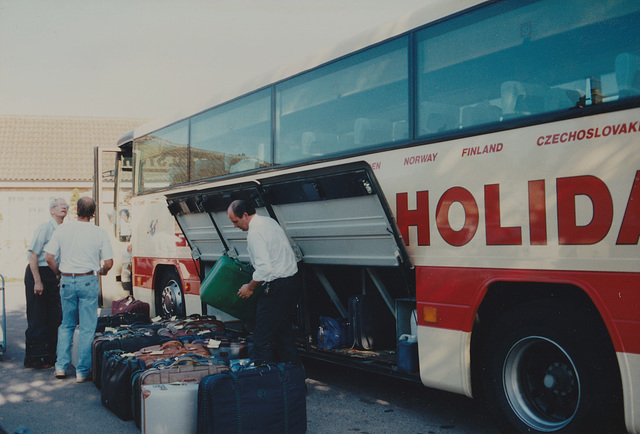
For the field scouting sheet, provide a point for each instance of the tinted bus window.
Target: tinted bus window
(504, 62)
(357, 102)
(161, 157)
(232, 138)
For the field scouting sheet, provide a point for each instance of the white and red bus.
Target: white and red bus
(474, 168)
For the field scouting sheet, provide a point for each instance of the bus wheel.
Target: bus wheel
(549, 369)
(169, 295)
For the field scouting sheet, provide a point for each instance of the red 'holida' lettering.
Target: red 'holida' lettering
(570, 232)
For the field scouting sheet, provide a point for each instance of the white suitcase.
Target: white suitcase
(169, 408)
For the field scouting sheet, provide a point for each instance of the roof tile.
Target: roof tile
(52, 148)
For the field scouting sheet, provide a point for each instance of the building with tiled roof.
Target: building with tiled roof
(57, 149)
(41, 158)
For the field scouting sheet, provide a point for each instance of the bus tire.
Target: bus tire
(548, 367)
(169, 294)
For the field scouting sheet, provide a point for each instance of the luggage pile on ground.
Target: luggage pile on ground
(192, 375)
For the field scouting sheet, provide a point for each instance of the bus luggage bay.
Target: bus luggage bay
(473, 168)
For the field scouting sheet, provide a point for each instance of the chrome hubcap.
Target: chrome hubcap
(171, 298)
(541, 384)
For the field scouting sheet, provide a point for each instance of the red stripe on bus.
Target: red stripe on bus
(144, 272)
(458, 292)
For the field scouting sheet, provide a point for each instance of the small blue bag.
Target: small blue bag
(332, 333)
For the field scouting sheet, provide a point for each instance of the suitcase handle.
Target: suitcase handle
(190, 360)
(172, 344)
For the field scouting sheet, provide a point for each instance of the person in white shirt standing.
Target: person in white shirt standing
(43, 295)
(275, 278)
(81, 246)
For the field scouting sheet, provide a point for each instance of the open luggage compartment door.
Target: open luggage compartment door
(202, 216)
(337, 216)
(334, 216)
(197, 227)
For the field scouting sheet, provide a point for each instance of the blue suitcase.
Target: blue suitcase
(270, 398)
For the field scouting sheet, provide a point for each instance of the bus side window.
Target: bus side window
(628, 74)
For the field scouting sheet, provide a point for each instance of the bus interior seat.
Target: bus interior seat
(521, 99)
(371, 131)
(308, 139)
(627, 67)
(346, 140)
(399, 131)
(319, 143)
(482, 113)
(289, 148)
(559, 99)
(437, 117)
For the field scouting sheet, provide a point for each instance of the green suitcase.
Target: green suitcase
(220, 288)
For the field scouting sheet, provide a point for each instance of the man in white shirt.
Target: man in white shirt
(43, 294)
(275, 277)
(81, 246)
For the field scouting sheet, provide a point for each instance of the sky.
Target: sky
(145, 58)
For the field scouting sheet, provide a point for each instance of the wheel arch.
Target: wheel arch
(161, 270)
(502, 296)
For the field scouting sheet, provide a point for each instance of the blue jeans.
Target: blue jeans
(79, 297)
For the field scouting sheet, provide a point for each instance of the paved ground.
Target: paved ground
(338, 400)
(34, 399)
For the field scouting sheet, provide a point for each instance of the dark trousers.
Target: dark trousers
(273, 338)
(44, 315)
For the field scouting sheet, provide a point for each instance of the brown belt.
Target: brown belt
(77, 274)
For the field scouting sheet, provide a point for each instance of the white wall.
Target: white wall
(21, 212)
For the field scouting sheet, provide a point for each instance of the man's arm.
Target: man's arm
(38, 287)
(106, 266)
(51, 260)
(247, 289)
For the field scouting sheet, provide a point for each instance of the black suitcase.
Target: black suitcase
(131, 343)
(118, 368)
(119, 319)
(371, 327)
(265, 399)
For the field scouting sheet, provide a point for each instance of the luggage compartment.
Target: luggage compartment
(348, 244)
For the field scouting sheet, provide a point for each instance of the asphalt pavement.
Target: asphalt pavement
(338, 399)
(34, 400)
